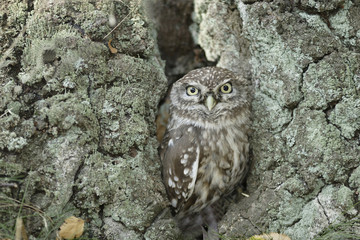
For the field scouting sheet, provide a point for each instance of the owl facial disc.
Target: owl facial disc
(210, 102)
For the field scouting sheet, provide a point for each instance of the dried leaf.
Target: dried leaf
(112, 49)
(72, 228)
(270, 236)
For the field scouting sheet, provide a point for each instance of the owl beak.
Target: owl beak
(210, 102)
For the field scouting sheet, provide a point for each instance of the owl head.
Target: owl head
(208, 95)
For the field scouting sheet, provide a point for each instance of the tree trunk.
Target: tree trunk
(305, 68)
(77, 130)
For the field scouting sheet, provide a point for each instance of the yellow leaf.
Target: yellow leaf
(270, 236)
(72, 228)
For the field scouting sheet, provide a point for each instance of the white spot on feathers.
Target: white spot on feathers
(174, 202)
(171, 143)
(184, 194)
(194, 170)
(171, 183)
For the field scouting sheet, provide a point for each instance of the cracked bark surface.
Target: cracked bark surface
(304, 63)
(77, 122)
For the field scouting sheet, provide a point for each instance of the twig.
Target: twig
(10, 185)
(6, 112)
(120, 22)
(27, 206)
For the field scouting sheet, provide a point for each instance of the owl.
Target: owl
(204, 152)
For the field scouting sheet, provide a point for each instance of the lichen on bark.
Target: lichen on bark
(77, 122)
(77, 130)
(304, 62)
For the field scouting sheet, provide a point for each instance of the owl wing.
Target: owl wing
(180, 154)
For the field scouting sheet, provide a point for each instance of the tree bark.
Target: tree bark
(77, 131)
(77, 122)
(305, 68)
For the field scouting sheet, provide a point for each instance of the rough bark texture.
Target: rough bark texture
(77, 122)
(305, 68)
(77, 130)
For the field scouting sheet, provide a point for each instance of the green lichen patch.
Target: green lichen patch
(163, 229)
(314, 38)
(305, 119)
(67, 112)
(127, 187)
(88, 19)
(13, 16)
(322, 6)
(346, 116)
(115, 230)
(324, 210)
(134, 37)
(280, 79)
(319, 147)
(78, 122)
(120, 122)
(346, 24)
(328, 81)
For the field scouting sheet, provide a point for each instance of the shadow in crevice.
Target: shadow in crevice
(176, 45)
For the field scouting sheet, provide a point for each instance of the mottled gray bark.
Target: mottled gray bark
(304, 60)
(77, 132)
(77, 122)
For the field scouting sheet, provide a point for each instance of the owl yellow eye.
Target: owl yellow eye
(226, 88)
(191, 91)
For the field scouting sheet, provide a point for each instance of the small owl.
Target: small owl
(205, 149)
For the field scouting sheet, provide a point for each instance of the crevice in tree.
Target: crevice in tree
(330, 108)
(357, 136)
(30, 5)
(295, 105)
(75, 189)
(253, 224)
(175, 42)
(323, 209)
(318, 59)
(101, 150)
(296, 221)
(101, 216)
(324, 15)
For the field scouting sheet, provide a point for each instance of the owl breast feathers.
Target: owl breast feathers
(204, 152)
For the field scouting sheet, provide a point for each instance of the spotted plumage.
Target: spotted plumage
(205, 148)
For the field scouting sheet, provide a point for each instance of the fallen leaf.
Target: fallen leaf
(72, 228)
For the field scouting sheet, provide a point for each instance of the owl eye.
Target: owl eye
(191, 91)
(226, 88)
